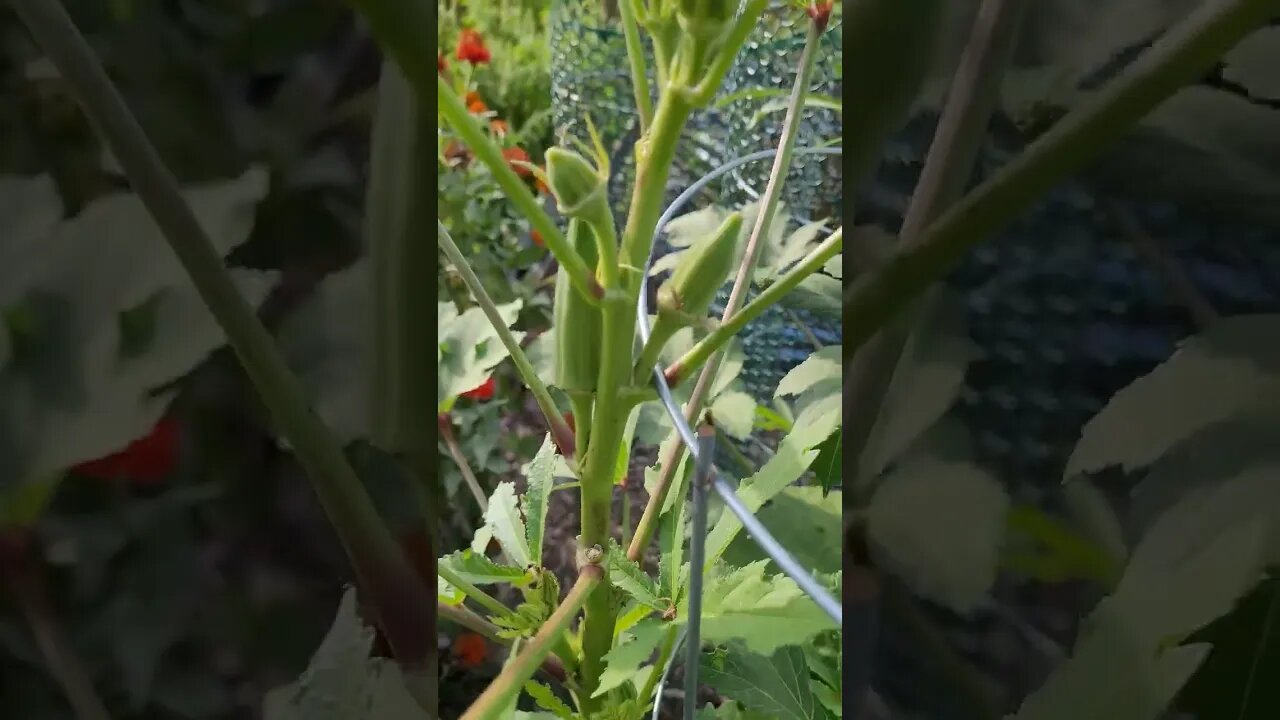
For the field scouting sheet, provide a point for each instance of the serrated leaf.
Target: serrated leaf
(786, 466)
(826, 467)
(628, 576)
(536, 497)
(477, 569)
(734, 412)
(503, 520)
(764, 612)
(808, 524)
(547, 700)
(825, 364)
(622, 662)
(1228, 369)
(1180, 578)
(342, 682)
(924, 386)
(939, 525)
(448, 594)
(540, 600)
(777, 686)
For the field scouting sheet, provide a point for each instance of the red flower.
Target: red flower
(441, 65)
(471, 48)
(145, 461)
(514, 155)
(475, 103)
(470, 649)
(481, 392)
(537, 238)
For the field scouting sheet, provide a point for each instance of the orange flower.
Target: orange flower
(475, 104)
(499, 126)
(471, 48)
(542, 186)
(537, 238)
(513, 155)
(470, 649)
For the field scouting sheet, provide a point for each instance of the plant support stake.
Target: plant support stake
(697, 556)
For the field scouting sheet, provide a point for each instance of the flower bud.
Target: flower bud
(575, 182)
(701, 271)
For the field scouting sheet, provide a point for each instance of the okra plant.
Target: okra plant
(628, 615)
(758, 620)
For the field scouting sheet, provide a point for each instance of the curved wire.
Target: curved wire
(754, 528)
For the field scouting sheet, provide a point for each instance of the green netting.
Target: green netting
(589, 75)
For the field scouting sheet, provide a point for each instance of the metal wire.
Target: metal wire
(702, 456)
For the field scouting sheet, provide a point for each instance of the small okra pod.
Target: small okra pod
(701, 271)
(577, 326)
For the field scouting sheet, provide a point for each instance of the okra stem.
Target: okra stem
(635, 56)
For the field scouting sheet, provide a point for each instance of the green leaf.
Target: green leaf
(927, 381)
(776, 685)
(1229, 684)
(547, 700)
(826, 467)
(1252, 64)
(1217, 374)
(764, 612)
(342, 682)
(477, 569)
(734, 412)
(628, 576)
(448, 594)
(806, 522)
(625, 659)
(783, 469)
(504, 523)
(939, 526)
(70, 392)
(541, 598)
(825, 364)
(1180, 579)
(536, 497)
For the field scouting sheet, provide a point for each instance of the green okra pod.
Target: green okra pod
(577, 324)
(685, 297)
